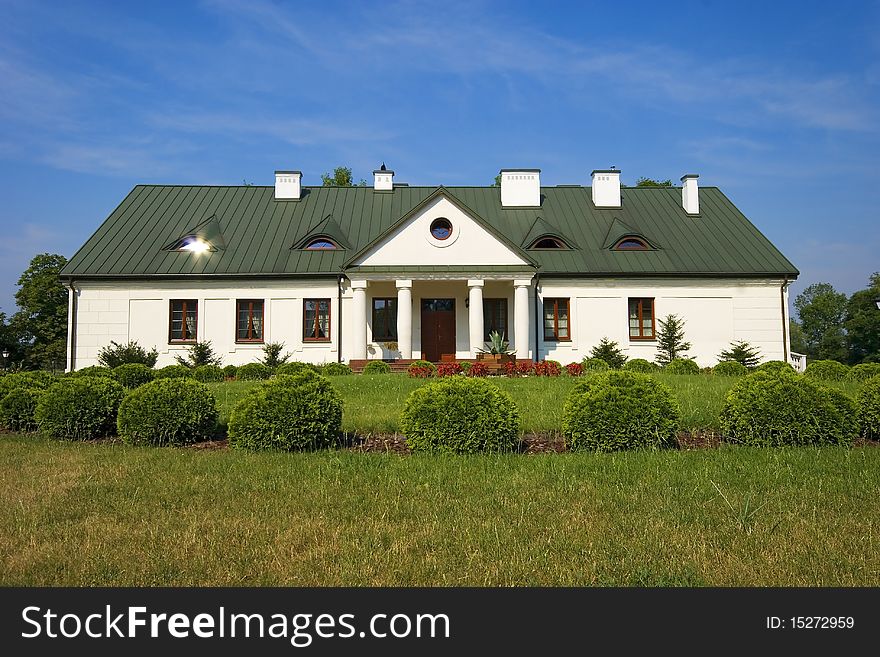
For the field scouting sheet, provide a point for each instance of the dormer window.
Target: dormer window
(631, 244)
(548, 243)
(321, 244)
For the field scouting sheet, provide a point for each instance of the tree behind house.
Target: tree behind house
(341, 177)
(862, 324)
(821, 310)
(670, 340)
(41, 321)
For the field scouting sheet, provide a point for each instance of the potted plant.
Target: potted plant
(497, 351)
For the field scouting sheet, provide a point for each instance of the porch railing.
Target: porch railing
(798, 361)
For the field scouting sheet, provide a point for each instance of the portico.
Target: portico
(439, 317)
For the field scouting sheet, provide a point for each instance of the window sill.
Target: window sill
(317, 340)
(249, 342)
(171, 343)
(557, 339)
(642, 339)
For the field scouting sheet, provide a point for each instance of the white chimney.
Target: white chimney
(288, 185)
(383, 179)
(606, 188)
(520, 188)
(690, 193)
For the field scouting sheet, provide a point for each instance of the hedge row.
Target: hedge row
(610, 410)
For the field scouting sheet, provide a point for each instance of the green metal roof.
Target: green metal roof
(259, 232)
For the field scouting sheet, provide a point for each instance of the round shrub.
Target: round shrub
(730, 368)
(208, 373)
(776, 367)
(868, 408)
(295, 368)
(620, 410)
(421, 369)
(229, 371)
(132, 375)
(335, 369)
(253, 372)
(290, 412)
(80, 407)
(93, 370)
(863, 371)
(173, 372)
(682, 366)
(827, 370)
(30, 380)
(460, 415)
(172, 411)
(17, 409)
(847, 410)
(377, 367)
(769, 409)
(590, 365)
(640, 365)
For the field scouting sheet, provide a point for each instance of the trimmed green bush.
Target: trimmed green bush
(173, 372)
(80, 407)
(620, 410)
(93, 370)
(132, 375)
(640, 365)
(863, 371)
(868, 408)
(208, 373)
(827, 370)
(289, 412)
(115, 354)
(847, 410)
(377, 367)
(591, 365)
(38, 380)
(460, 415)
(296, 368)
(230, 371)
(17, 409)
(682, 366)
(335, 369)
(465, 366)
(769, 409)
(253, 372)
(172, 411)
(730, 368)
(776, 367)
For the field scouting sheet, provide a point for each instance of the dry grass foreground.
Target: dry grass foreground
(112, 515)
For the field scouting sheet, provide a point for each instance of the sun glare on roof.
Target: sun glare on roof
(196, 246)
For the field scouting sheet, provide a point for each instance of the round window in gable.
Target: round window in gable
(441, 229)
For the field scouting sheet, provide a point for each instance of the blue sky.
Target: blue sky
(776, 103)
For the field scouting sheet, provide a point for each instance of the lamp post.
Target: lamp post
(5, 356)
(877, 301)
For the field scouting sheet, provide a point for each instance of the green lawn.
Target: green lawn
(373, 402)
(109, 514)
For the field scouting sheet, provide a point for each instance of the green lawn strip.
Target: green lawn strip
(109, 514)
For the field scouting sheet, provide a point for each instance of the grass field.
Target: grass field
(373, 402)
(112, 515)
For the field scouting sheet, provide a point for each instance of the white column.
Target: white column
(404, 318)
(475, 315)
(521, 316)
(359, 320)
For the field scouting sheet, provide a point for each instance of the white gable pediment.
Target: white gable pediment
(468, 244)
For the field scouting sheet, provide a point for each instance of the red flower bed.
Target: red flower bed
(420, 369)
(574, 369)
(547, 368)
(478, 369)
(448, 369)
(519, 368)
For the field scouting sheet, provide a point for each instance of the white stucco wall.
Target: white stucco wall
(716, 312)
(412, 243)
(123, 311)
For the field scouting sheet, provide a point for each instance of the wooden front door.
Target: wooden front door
(438, 329)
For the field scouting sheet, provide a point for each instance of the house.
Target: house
(398, 271)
